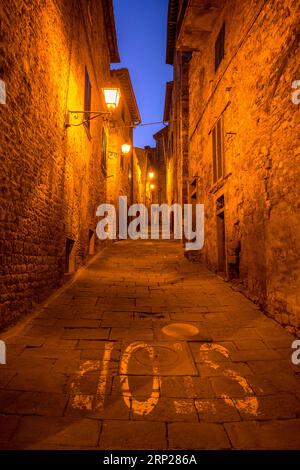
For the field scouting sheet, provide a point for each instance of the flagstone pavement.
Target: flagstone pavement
(147, 350)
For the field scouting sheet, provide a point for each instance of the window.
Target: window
(87, 97)
(218, 151)
(220, 47)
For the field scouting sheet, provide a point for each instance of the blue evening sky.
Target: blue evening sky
(142, 30)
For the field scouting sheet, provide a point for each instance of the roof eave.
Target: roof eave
(125, 80)
(110, 26)
(176, 15)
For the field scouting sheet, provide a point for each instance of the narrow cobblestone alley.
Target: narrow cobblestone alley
(146, 350)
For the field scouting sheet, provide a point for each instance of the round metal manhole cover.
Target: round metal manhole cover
(163, 356)
(180, 330)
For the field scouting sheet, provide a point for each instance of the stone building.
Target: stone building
(139, 175)
(161, 139)
(176, 113)
(243, 151)
(120, 166)
(56, 58)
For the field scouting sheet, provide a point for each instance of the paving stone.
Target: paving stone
(36, 403)
(42, 431)
(86, 344)
(5, 376)
(205, 436)
(131, 333)
(255, 355)
(44, 331)
(67, 364)
(117, 316)
(40, 321)
(8, 426)
(232, 334)
(270, 332)
(98, 354)
(219, 369)
(133, 435)
(279, 343)
(221, 351)
(229, 387)
(87, 333)
(167, 410)
(186, 387)
(60, 343)
(38, 381)
(250, 344)
(7, 400)
(274, 367)
(275, 435)
(217, 410)
(78, 323)
(273, 407)
(182, 317)
(111, 408)
(139, 386)
(44, 352)
(27, 341)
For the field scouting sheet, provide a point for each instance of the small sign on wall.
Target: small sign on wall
(2, 92)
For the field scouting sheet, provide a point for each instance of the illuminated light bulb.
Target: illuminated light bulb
(112, 97)
(126, 148)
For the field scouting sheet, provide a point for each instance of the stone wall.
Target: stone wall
(119, 166)
(178, 132)
(139, 175)
(252, 91)
(51, 177)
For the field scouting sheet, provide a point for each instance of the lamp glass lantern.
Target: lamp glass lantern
(126, 148)
(112, 97)
(151, 175)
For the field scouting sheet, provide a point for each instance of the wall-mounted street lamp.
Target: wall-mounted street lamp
(126, 148)
(152, 186)
(111, 97)
(151, 175)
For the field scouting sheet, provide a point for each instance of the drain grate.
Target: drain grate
(169, 359)
(164, 356)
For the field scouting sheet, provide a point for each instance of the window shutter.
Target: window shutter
(214, 142)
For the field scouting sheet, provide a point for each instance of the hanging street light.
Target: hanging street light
(112, 98)
(126, 148)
